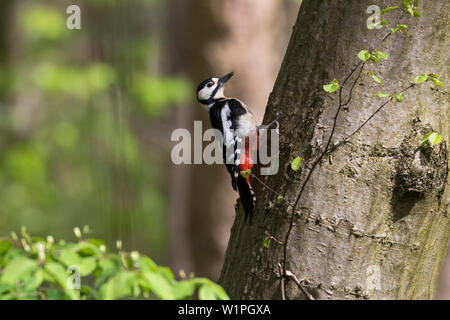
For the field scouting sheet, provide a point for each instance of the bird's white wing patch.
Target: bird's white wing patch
(228, 137)
(226, 124)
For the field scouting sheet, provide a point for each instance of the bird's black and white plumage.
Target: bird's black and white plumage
(238, 127)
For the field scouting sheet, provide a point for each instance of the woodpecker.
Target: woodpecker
(238, 125)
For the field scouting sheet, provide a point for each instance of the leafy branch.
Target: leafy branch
(36, 268)
(364, 56)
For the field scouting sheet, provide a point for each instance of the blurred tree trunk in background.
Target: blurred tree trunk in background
(211, 38)
(6, 7)
(358, 232)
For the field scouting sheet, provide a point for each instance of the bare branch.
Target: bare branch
(299, 285)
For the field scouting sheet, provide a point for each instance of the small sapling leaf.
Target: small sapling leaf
(364, 55)
(432, 137)
(332, 87)
(267, 241)
(398, 97)
(382, 95)
(420, 79)
(295, 164)
(246, 173)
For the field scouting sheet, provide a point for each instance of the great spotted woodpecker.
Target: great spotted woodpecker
(239, 128)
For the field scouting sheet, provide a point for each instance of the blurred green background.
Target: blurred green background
(81, 120)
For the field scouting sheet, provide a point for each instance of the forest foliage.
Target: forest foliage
(35, 268)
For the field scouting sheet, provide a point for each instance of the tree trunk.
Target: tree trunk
(443, 290)
(373, 219)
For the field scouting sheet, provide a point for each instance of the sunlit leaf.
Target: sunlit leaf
(267, 241)
(364, 55)
(420, 79)
(376, 79)
(60, 275)
(118, 286)
(436, 79)
(389, 9)
(160, 285)
(398, 97)
(295, 164)
(18, 269)
(5, 245)
(246, 173)
(432, 137)
(332, 87)
(399, 28)
(382, 95)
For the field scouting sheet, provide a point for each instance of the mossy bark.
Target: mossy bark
(373, 221)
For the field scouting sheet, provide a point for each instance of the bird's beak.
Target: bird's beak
(225, 78)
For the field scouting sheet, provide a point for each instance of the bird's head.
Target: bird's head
(211, 90)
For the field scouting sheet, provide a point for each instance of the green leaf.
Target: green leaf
(267, 241)
(425, 138)
(59, 274)
(388, 10)
(432, 137)
(246, 173)
(331, 87)
(436, 79)
(118, 286)
(96, 242)
(382, 95)
(280, 199)
(206, 293)
(376, 79)
(70, 258)
(160, 285)
(295, 164)
(35, 281)
(87, 266)
(377, 56)
(166, 272)
(364, 55)
(146, 264)
(18, 269)
(399, 27)
(382, 55)
(420, 79)
(211, 291)
(54, 294)
(398, 97)
(184, 289)
(108, 267)
(87, 249)
(407, 3)
(5, 245)
(435, 138)
(411, 6)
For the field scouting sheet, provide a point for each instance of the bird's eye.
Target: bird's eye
(210, 84)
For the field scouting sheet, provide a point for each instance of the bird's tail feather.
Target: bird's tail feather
(246, 197)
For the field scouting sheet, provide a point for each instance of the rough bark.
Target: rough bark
(443, 290)
(371, 223)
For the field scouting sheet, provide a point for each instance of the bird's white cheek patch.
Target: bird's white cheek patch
(204, 94)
